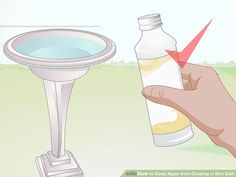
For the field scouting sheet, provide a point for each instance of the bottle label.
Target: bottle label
(163, 71)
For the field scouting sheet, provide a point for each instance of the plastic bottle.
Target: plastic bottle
(169, 126)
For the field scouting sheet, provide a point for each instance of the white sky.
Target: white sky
(183, 19)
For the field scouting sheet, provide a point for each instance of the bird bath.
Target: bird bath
(59, 56)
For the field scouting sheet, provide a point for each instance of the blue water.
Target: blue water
(58, 47)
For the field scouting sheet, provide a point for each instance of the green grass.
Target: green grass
(228, 76)
(207, 148)
(107, 129)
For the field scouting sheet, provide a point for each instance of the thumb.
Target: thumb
(175, 98)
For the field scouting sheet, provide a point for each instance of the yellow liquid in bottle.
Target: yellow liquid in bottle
(180, 123)
(153, 72)
(151, 65)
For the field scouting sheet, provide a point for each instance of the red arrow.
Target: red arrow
(182, 57)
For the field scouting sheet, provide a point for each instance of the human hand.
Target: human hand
(204, 100)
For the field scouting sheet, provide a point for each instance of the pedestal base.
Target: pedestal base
(65, 166)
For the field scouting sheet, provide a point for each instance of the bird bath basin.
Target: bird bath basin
(59, 56)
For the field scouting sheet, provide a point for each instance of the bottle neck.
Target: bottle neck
(151, 27)
(151, 31)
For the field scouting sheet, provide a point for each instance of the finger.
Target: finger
(188, 82)
(189, 86)
(200, 76)
(176, 98)
(195, 71)
(185, 76)
(190, 72)
(192, 68)
(195, 83)
(185, 84)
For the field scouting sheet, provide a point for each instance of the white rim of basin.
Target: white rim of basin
(107, 53)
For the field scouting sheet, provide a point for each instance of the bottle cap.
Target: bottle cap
(150, 21)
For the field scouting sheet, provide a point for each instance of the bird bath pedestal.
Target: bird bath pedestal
(59, 57)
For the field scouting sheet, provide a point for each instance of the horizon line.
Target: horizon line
(49, 26)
